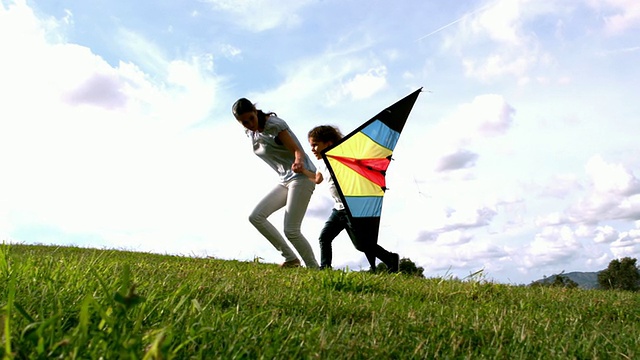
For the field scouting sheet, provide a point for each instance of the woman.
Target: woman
(320, 138)
(275, 143)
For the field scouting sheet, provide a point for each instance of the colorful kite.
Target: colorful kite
(358, 165)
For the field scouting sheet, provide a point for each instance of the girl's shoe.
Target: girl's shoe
(290, 264)
(394, 267)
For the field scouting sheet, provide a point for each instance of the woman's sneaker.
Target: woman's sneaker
(290, 264)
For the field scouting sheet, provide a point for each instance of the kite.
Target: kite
(358, 165)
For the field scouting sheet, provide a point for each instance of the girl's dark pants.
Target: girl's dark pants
(338, 221)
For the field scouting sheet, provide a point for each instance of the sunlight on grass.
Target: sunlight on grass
(67, 302)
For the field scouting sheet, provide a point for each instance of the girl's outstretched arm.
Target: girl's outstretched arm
(315, 177)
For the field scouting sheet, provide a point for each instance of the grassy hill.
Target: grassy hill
(71, 303)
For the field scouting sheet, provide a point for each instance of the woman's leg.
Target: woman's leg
(300, 191)
(274, 201)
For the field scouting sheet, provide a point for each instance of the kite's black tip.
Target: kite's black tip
(384, 188)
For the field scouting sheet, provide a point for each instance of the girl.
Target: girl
(275, 143)
(320, 138)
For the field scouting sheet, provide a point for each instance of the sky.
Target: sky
(519, 160)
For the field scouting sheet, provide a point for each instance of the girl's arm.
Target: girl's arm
(315, 177)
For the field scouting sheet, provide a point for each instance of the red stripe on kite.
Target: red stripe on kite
(371, 169)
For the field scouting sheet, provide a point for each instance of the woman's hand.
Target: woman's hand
(297, 166)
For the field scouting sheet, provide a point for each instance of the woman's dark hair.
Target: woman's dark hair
(325, 133)
(243, 105)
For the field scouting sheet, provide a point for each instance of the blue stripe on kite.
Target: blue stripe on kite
(382, 134)
(364, 206)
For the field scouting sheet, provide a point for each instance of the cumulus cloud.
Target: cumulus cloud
(470, 219)
(455, 237)
(605, 234)
(363, 85)
(552, 245)
(554, 218)
(507, 23)
(487, 115)
(472, 123)
(560, 185)
(77, 166)
(460, 160)
(627, 244)
(100, 90)
(620, 15)
(503, 23)
(456, 221)
(610, 178)
(327, 79)
(613, 193)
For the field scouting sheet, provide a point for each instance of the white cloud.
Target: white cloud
(484, 117)
(552, 245)
(605, 234)
(621, 15)
(487, 115)
(261, 15)
(105, 151)
(614, 193)
(499, 64)
(461, 159)
(554, 218)
(560, 185)
(612, 179)
(501, 22)
(324, 81)
(230, 51)
(362, 86)
(627, 244)
(470, 219)
(455, 237)
(505, 24)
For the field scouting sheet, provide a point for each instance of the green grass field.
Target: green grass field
(76, 303)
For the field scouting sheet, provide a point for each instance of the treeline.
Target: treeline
(621, 274)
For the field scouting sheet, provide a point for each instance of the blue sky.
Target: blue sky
(520, 159)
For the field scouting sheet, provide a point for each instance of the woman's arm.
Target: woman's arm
(287, 141)
(298, 164)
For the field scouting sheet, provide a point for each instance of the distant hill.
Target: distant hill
(585, 280)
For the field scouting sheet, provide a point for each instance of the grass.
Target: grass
(76, 303)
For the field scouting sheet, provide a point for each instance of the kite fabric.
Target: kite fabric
(358, 165)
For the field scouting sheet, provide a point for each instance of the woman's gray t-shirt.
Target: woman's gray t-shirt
(276, 154)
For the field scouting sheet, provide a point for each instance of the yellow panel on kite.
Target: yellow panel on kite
(360, 146)
(352, 183)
